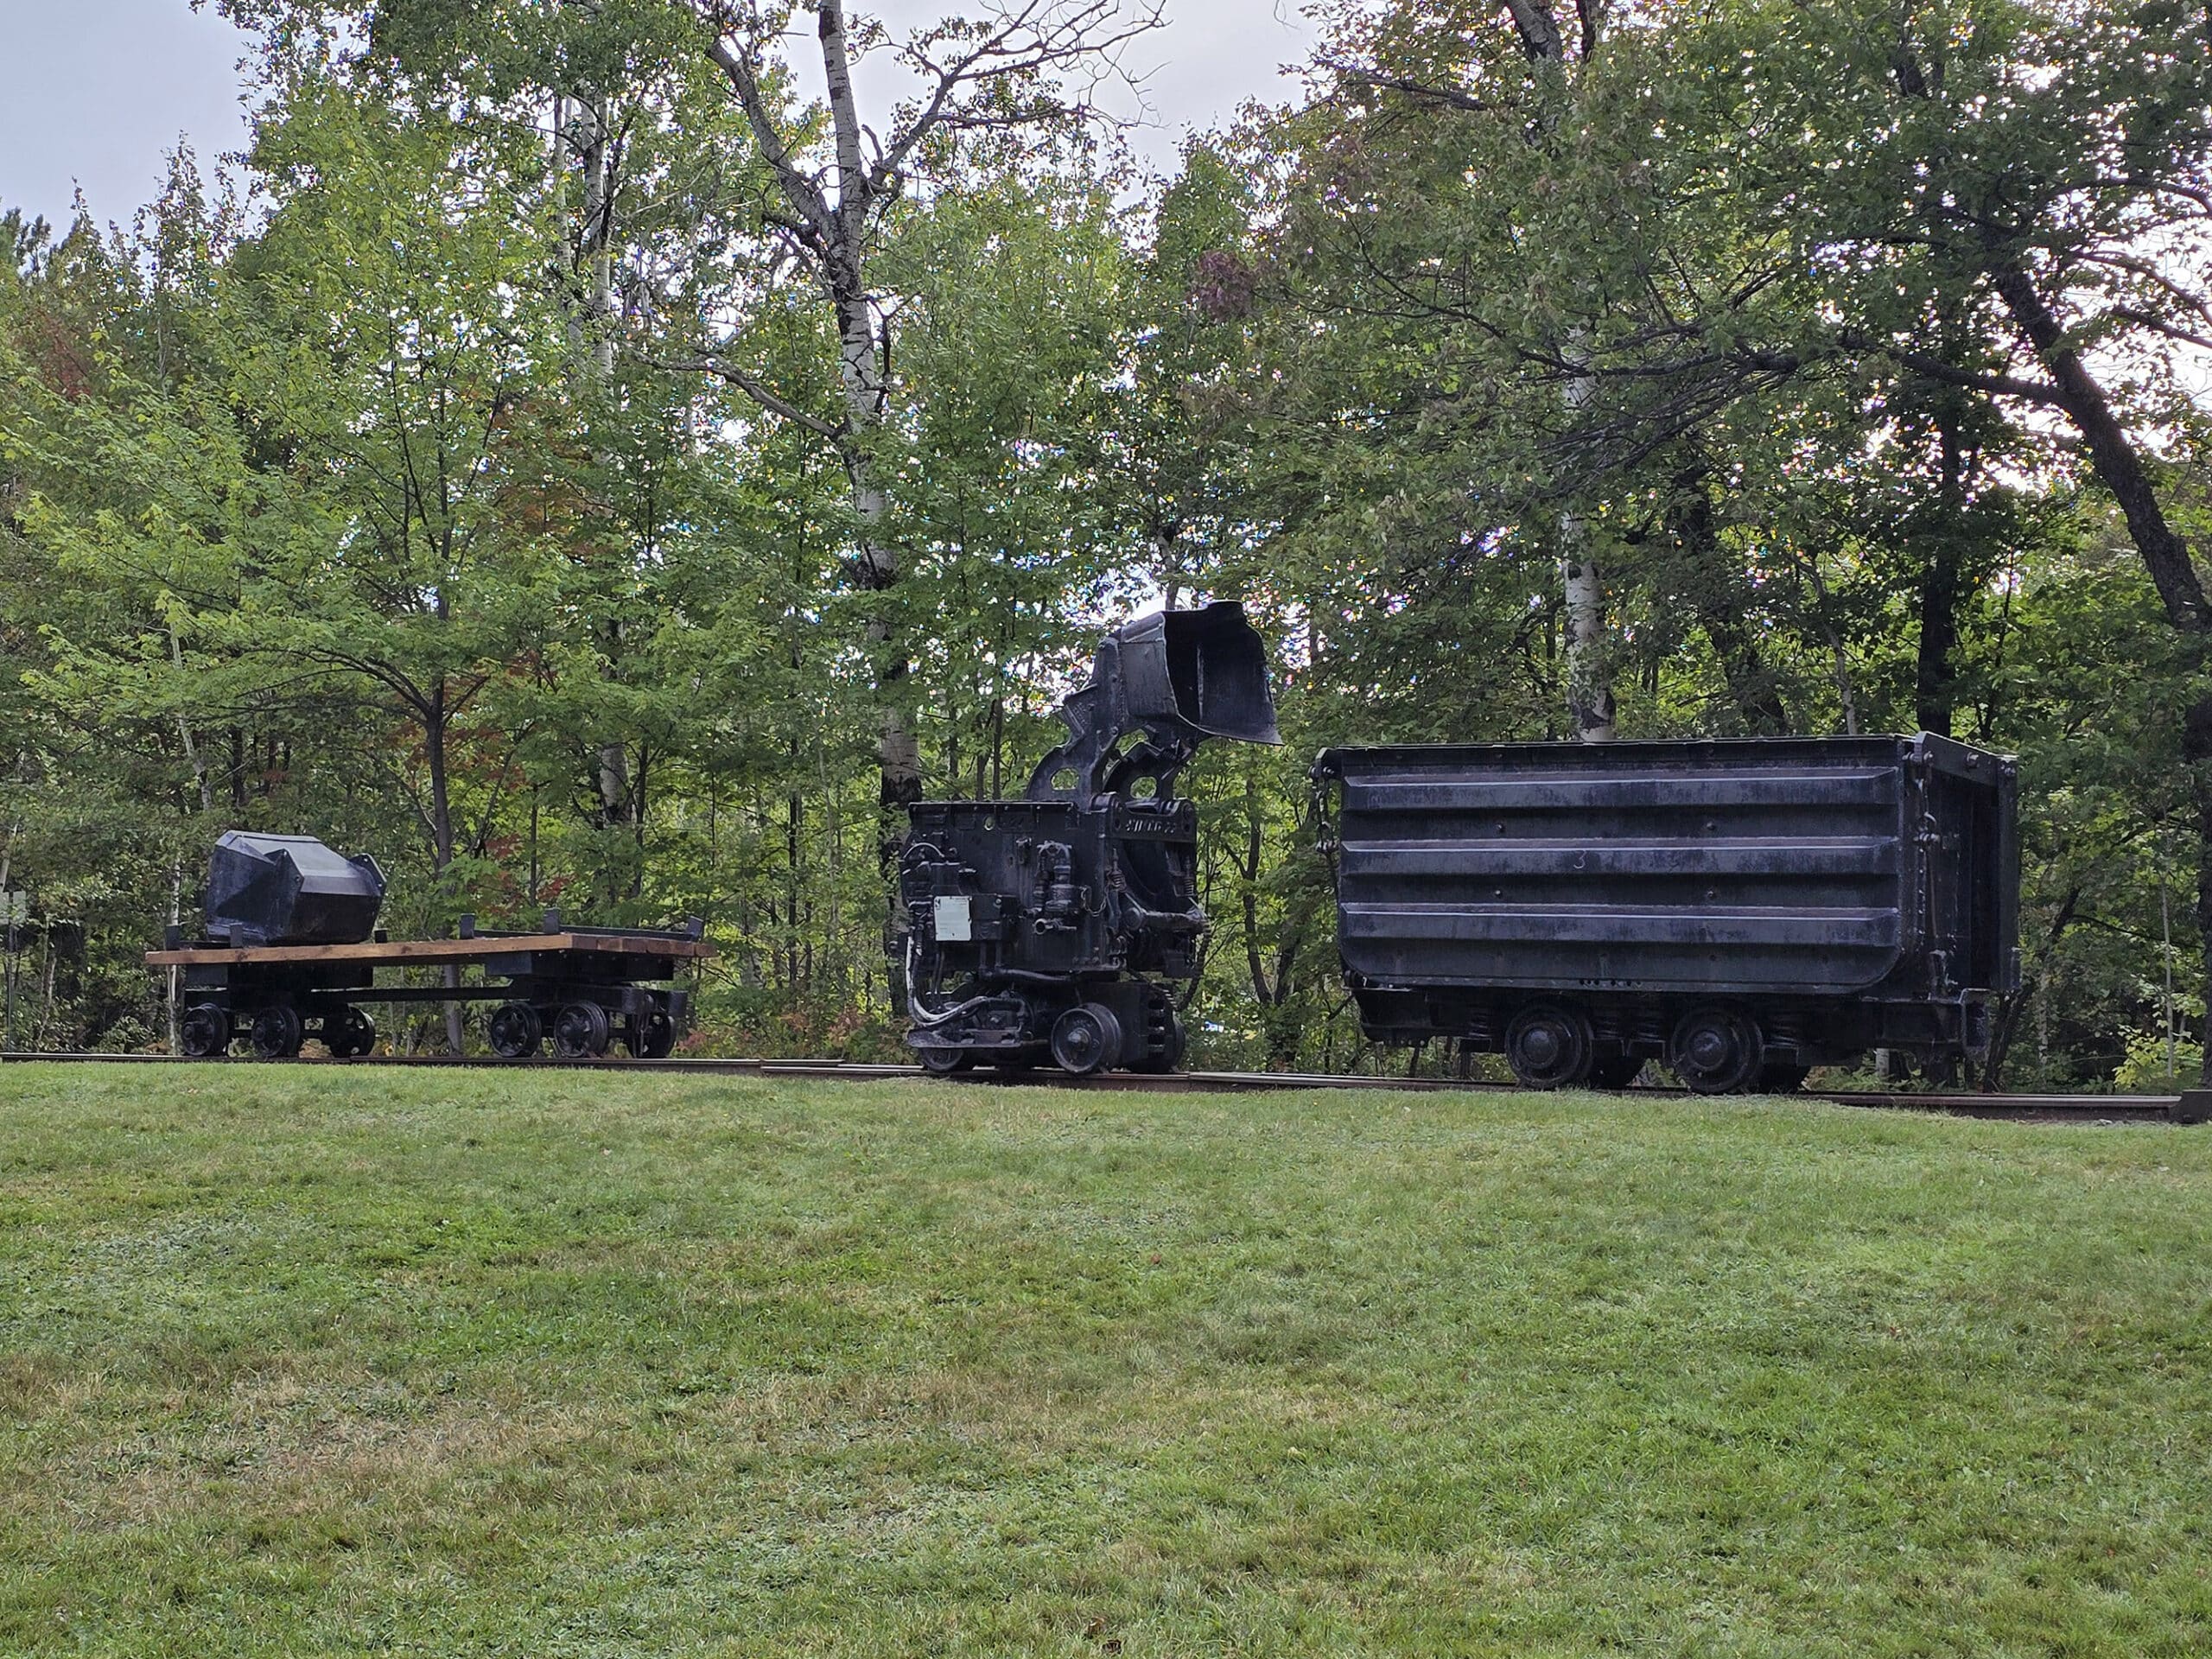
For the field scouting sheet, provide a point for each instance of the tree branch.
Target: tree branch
(804, 195)
(1949, 374)
(1420, 91)
(753, 388)
(1593, 14)
(1031, 40)
(1539, 31)
(2172, 330)
(2118, 466)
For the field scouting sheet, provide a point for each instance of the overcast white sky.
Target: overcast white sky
(97, 90)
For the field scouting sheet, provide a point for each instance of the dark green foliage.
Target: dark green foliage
(494, 502)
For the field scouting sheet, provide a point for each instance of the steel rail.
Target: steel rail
(2025, 1107)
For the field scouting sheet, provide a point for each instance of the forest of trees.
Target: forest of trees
(573, 461)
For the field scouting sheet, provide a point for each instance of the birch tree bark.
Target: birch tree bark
(1005, 73)
(1589, 679)
(1589, 675)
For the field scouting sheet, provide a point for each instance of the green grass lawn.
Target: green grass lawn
(300, 1361)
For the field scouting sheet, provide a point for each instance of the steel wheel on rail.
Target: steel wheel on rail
(1549, 1046)
(514, 1031)
(581, 1032)
(1179, 1044)
(651, 1035)
(1087, 1038)
(275, 1032)
(348, 1033)
(945, 1061)
(1716, 1050)
(203, 1030)
(1163, 1035)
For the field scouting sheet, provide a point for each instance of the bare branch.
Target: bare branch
(1997, 385)
(2150, 273)
(1950, 374)
(2201, 198)
(2159, 326)
(1452, 96)
(804, 195)
(754, 388)
(1030, 39)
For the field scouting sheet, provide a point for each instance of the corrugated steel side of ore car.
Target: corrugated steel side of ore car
(1741, 910)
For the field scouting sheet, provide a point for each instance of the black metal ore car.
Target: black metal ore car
(1740, 911)
(1053, 925)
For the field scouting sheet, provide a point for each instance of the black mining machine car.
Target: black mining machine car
(1054, 926)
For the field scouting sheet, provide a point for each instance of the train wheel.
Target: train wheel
(275, 1032)
(203, 1030)
(1086, 1039)
(652, 1036)
(348, 1032)
(945, 1061)
(1179, 1044)
(1163, 1041)
(581, 1032)
(1716, 1050)
(1548, 1045)
(515, 1031)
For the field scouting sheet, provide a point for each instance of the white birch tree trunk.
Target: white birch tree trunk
(1589, 688)
(1589, 671)
(997, 79)
(175, 975)
(582, 150)
(198, 766)
(861, 365)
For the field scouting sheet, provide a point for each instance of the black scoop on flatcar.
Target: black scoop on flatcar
(288, 890)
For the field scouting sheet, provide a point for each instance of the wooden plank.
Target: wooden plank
(395, 951)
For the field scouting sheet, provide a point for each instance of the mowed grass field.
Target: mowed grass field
(299, 1361)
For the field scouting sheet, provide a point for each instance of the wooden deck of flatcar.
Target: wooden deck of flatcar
(472, 948)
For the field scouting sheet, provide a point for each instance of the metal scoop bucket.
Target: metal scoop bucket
(1205, 671)
(1180, 677)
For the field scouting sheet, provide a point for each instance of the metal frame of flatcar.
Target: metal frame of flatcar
(275, 996)
(1937, 1023)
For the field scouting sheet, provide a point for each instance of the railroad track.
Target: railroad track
(2021, 1108)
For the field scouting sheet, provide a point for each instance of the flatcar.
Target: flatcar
(291, 951)
(1738, 911)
